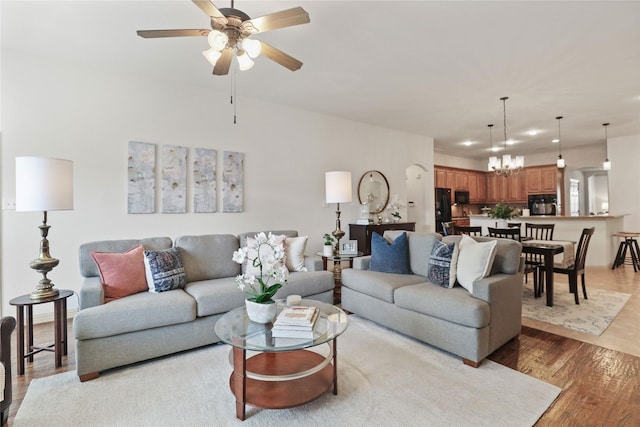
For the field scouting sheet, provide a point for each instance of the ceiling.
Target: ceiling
(425, 67)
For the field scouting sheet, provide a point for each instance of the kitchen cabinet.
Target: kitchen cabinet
(440, 178)
(477, 187)
(462, 180)
(543, 179)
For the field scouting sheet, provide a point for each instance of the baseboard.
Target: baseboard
(48, 317)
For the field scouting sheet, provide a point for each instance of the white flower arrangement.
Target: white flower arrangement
(265, 253)
(394, 208)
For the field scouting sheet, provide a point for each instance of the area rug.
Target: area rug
(591, 316)
(385, 379)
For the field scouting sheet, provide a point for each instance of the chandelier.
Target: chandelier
(606, 165)
(508, 165)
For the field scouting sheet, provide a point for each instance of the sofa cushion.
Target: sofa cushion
(121, 274)
(138, 312)
(440, 271)
(377, 284)
(420, 245)
(455, 305)
(164, 270)
(475, 260)
(215, 296)
(88, 267)
(208, 256)
(389, 257)
(307, 283)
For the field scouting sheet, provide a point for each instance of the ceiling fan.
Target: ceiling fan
(230, 34)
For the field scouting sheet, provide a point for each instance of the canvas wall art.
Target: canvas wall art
(141, 178)
(204, 180)
(233, 182)
(174, 179)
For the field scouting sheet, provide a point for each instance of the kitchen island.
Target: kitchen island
(603, 245)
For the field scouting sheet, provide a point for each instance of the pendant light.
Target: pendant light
(509, 165)
(606, 165)
(560, 162)
(493, 159)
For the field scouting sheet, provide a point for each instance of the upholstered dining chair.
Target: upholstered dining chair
(533, 261)
(7, 325)
(449, 228)
(505, 233)
(470, 230)
(577, 269)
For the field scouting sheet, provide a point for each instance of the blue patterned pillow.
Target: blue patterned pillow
(390, 257)
(439, 271)
(164, 270)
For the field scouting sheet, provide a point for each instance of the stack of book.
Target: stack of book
(295, 322)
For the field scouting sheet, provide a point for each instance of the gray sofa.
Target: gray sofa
(470, 325)
(148, 325)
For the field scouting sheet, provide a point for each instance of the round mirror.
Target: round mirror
(373, 189)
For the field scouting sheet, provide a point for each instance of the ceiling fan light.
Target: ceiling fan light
(252, 47)
(217, 40)
(212, 55)
(244, 62)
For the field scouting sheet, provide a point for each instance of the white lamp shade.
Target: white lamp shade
(244, 62)
(338, 187)
(43, 184)
(252, 47)
(560, 162)
(217, 40)
(606, 165)
(212, 55)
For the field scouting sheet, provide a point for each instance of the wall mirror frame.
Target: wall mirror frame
(373, 188)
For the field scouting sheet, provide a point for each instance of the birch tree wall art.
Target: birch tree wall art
(141, 178)
(233, 182)
(204, 180)
(174, 179)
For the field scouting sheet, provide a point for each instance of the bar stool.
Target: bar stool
(628, 244)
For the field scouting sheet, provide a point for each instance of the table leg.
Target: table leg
(64, 328)
(20, 339)
(335, 366)
(324, 262)
(240, 380)
(57, 332)
(30, 332)
(548, 268)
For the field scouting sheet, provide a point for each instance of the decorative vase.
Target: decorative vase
(396, 219)
(327, 250)
(501, 223)
(261, 313)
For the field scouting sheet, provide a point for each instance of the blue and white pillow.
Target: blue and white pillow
(164, 270)
(439, 270)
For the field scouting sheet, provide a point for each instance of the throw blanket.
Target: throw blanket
(564, 259)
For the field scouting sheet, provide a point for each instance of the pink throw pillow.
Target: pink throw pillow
(122, 274)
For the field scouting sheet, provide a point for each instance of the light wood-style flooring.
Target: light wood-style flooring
(600, 376)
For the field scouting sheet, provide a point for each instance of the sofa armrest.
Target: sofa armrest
(91, 293)
(312, 263)
(499, 288)
(361, 262)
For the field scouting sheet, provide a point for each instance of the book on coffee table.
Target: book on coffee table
(296, 316)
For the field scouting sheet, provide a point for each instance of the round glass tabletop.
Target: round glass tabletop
(235, 328)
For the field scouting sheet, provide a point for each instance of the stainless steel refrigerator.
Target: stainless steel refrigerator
(443, 207)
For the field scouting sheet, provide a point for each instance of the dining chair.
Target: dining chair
(577, 269)
(505, 233)
(449, 228)
(514, 225)
(470, 230)
(533, 261)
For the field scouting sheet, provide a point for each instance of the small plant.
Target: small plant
(502, 211)
(328, 239)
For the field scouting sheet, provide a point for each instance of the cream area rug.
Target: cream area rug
(591, 316)
(384, 379)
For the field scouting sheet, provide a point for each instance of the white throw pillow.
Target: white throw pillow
(475, 260)
(294, 248)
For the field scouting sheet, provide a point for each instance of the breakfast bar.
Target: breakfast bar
(603, 245)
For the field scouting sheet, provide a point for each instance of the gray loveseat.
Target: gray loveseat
(470, 325)
(146, 325)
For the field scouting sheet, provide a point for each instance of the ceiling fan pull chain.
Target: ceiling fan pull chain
(233, 94)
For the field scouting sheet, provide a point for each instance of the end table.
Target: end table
(60, 327)
(337, 270)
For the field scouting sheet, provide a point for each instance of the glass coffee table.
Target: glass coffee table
(281, 372)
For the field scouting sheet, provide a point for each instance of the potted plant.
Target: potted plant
(503, 212)
(394, 209)
(327, 249)
(264, 256)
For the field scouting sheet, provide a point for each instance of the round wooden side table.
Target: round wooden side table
(60, 327)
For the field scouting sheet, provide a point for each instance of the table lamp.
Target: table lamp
(44, 184)
(337, 190)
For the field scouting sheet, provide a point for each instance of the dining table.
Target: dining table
(548, 249)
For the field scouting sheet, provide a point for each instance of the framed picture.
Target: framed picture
(350, 247)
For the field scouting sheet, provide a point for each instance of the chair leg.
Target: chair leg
(573, 286)
(584, 288)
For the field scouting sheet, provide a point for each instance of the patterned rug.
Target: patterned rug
(591, 316)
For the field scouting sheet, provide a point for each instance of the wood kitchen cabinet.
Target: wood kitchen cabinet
(440, 178)
(543, 179)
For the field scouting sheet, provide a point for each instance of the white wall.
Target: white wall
(61, 110)
(624, 179)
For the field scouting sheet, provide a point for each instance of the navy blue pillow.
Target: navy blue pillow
(390, 257)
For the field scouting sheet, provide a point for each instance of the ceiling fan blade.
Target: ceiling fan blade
(276, 55)
(273, 21)
(152, 34)
(224, 62)
(209, 8)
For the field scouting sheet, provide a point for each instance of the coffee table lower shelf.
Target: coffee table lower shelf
(281, 387)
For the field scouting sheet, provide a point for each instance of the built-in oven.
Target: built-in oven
(543, 204)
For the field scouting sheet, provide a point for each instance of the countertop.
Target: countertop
(555, 218)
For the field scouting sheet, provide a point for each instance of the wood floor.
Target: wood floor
(601, 386)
